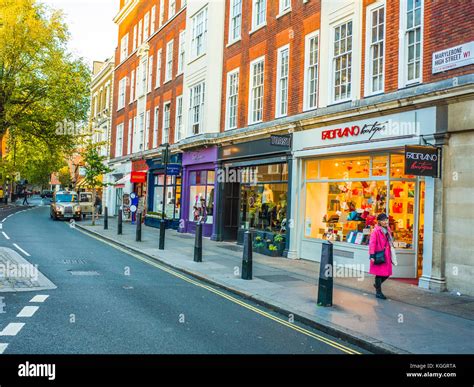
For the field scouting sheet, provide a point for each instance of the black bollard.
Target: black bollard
(119, 223)
(162, 235)
(326, 270)
(106, 218)
(247, 258)
(198, 243)
(139, 227)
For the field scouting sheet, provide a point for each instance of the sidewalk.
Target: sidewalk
(413, 320)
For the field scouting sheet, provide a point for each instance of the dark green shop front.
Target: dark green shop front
(253, 193)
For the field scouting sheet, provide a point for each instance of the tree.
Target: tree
(41, 85)
(95, 168)
(64, 177)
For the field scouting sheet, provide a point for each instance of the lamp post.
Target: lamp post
(165, 156)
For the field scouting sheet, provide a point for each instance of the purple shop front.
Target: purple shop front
(199, 190)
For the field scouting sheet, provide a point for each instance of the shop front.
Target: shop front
(199, 177)
(253, 193)
(350, 173)
(118, 185)
(164, 191)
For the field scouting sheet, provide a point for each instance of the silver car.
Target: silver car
(65, 205)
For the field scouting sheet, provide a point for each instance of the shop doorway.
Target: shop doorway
(118, 199)
(421, 228)
(231, 211)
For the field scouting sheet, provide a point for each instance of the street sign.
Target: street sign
(173, 169)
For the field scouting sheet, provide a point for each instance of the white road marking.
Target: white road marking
(19, 248)
(12, 329)
(1, 226)
(3, 347)
(28, 311)
(39, 298)
(4, 220)
(5, 235)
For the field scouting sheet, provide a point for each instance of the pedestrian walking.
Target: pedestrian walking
(380, 253)
(25, 197)
(98, 205)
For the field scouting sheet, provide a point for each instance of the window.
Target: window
(285, 5)
(282, 81)
(171, 8)
(166, 122)
(181, 56)
(150, 74)
(124, 48)
(201, 196)
(179, 118)
(137, 76)
(375, 56)
(132, 87)
(235, 20)
(155, 127)
(121, 94)
(130, 136)
(119, 141)
(256, 91)
(143, 72)
(140, 29)
(413, 40)
(147, 130)
(133, 135)
(342, 62)
(232, 98)
(158, 68)
(146, 26)
(134, 37)
(169, 61)
(162, 13)
(199, 31)
(171, 198)
(141, 129)
(259, 10)
(196, 107)
(153, 19)
(311, 71)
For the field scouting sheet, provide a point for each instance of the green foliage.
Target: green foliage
(278, 238)
(64, 176)
(95, 165)
(272, 248)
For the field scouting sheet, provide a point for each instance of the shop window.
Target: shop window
(397, 167)
(201, 196)
(312, 167)
(357, 167)
(172, 195)
(379, 165)
(402, 212)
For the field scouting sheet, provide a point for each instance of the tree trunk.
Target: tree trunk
(94, 193)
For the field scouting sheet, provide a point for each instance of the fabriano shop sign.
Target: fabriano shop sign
(453, 57)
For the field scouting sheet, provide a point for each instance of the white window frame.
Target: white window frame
(140, 31)
(306, 87)
(403, 43)
(119, 140)
(171, 8)
(196, 109)
(284, 7)
(198, 37)
(368, 73)
(279, 77)
(150, 74)
(165, 135)
(155, 126)
(256, 24)
(140, 131)
(162, 13)
(333, 27)
(253, 63)
(182, 52)
(146, 26)
(228, 108)
(132, 87)
(130, 136)
(124, 48)
(153, 20)
(235, 21)
(121, 94)
(158, 68)
(135, 37)
(137, 76)
(169, 61)
(179, 118)
(147, 131)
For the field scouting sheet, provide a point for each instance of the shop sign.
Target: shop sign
(173, 169)
(284, 141)
(422, 160)
(453, 57)
(138, 177)
(369, 130)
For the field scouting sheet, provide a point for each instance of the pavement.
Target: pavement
(412, 320)
(109, 300)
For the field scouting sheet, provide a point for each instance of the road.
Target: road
(109, 302)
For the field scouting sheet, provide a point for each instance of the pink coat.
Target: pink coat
(378, 241)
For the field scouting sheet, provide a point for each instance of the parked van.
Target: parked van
(85, 200)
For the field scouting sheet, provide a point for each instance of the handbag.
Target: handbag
(379, 257)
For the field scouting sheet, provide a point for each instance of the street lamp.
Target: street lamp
(164, 158)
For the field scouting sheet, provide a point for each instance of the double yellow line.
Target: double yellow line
(174, 273)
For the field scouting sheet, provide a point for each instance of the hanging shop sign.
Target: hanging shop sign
(422, 160)
(453, 57)
(138, 177)
(284, 141)
(173, 169)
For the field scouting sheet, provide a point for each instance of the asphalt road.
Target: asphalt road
(110, 302)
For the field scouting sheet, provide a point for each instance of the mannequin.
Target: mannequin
(267, 195)
(267, 199)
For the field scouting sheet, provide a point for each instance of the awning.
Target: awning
(82, 183)
(121, 182)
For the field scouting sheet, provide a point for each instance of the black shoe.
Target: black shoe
(380, 295)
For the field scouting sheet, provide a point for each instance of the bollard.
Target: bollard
(198, 243)
(247, 257)
(119, 223)
(139, 227)
(106, 218)
(326, 269)
(162, 235)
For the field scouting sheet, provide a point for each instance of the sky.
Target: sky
(93, 33)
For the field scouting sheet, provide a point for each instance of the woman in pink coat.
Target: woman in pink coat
(380, 240)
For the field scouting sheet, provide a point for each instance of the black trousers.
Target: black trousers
(379, 280)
